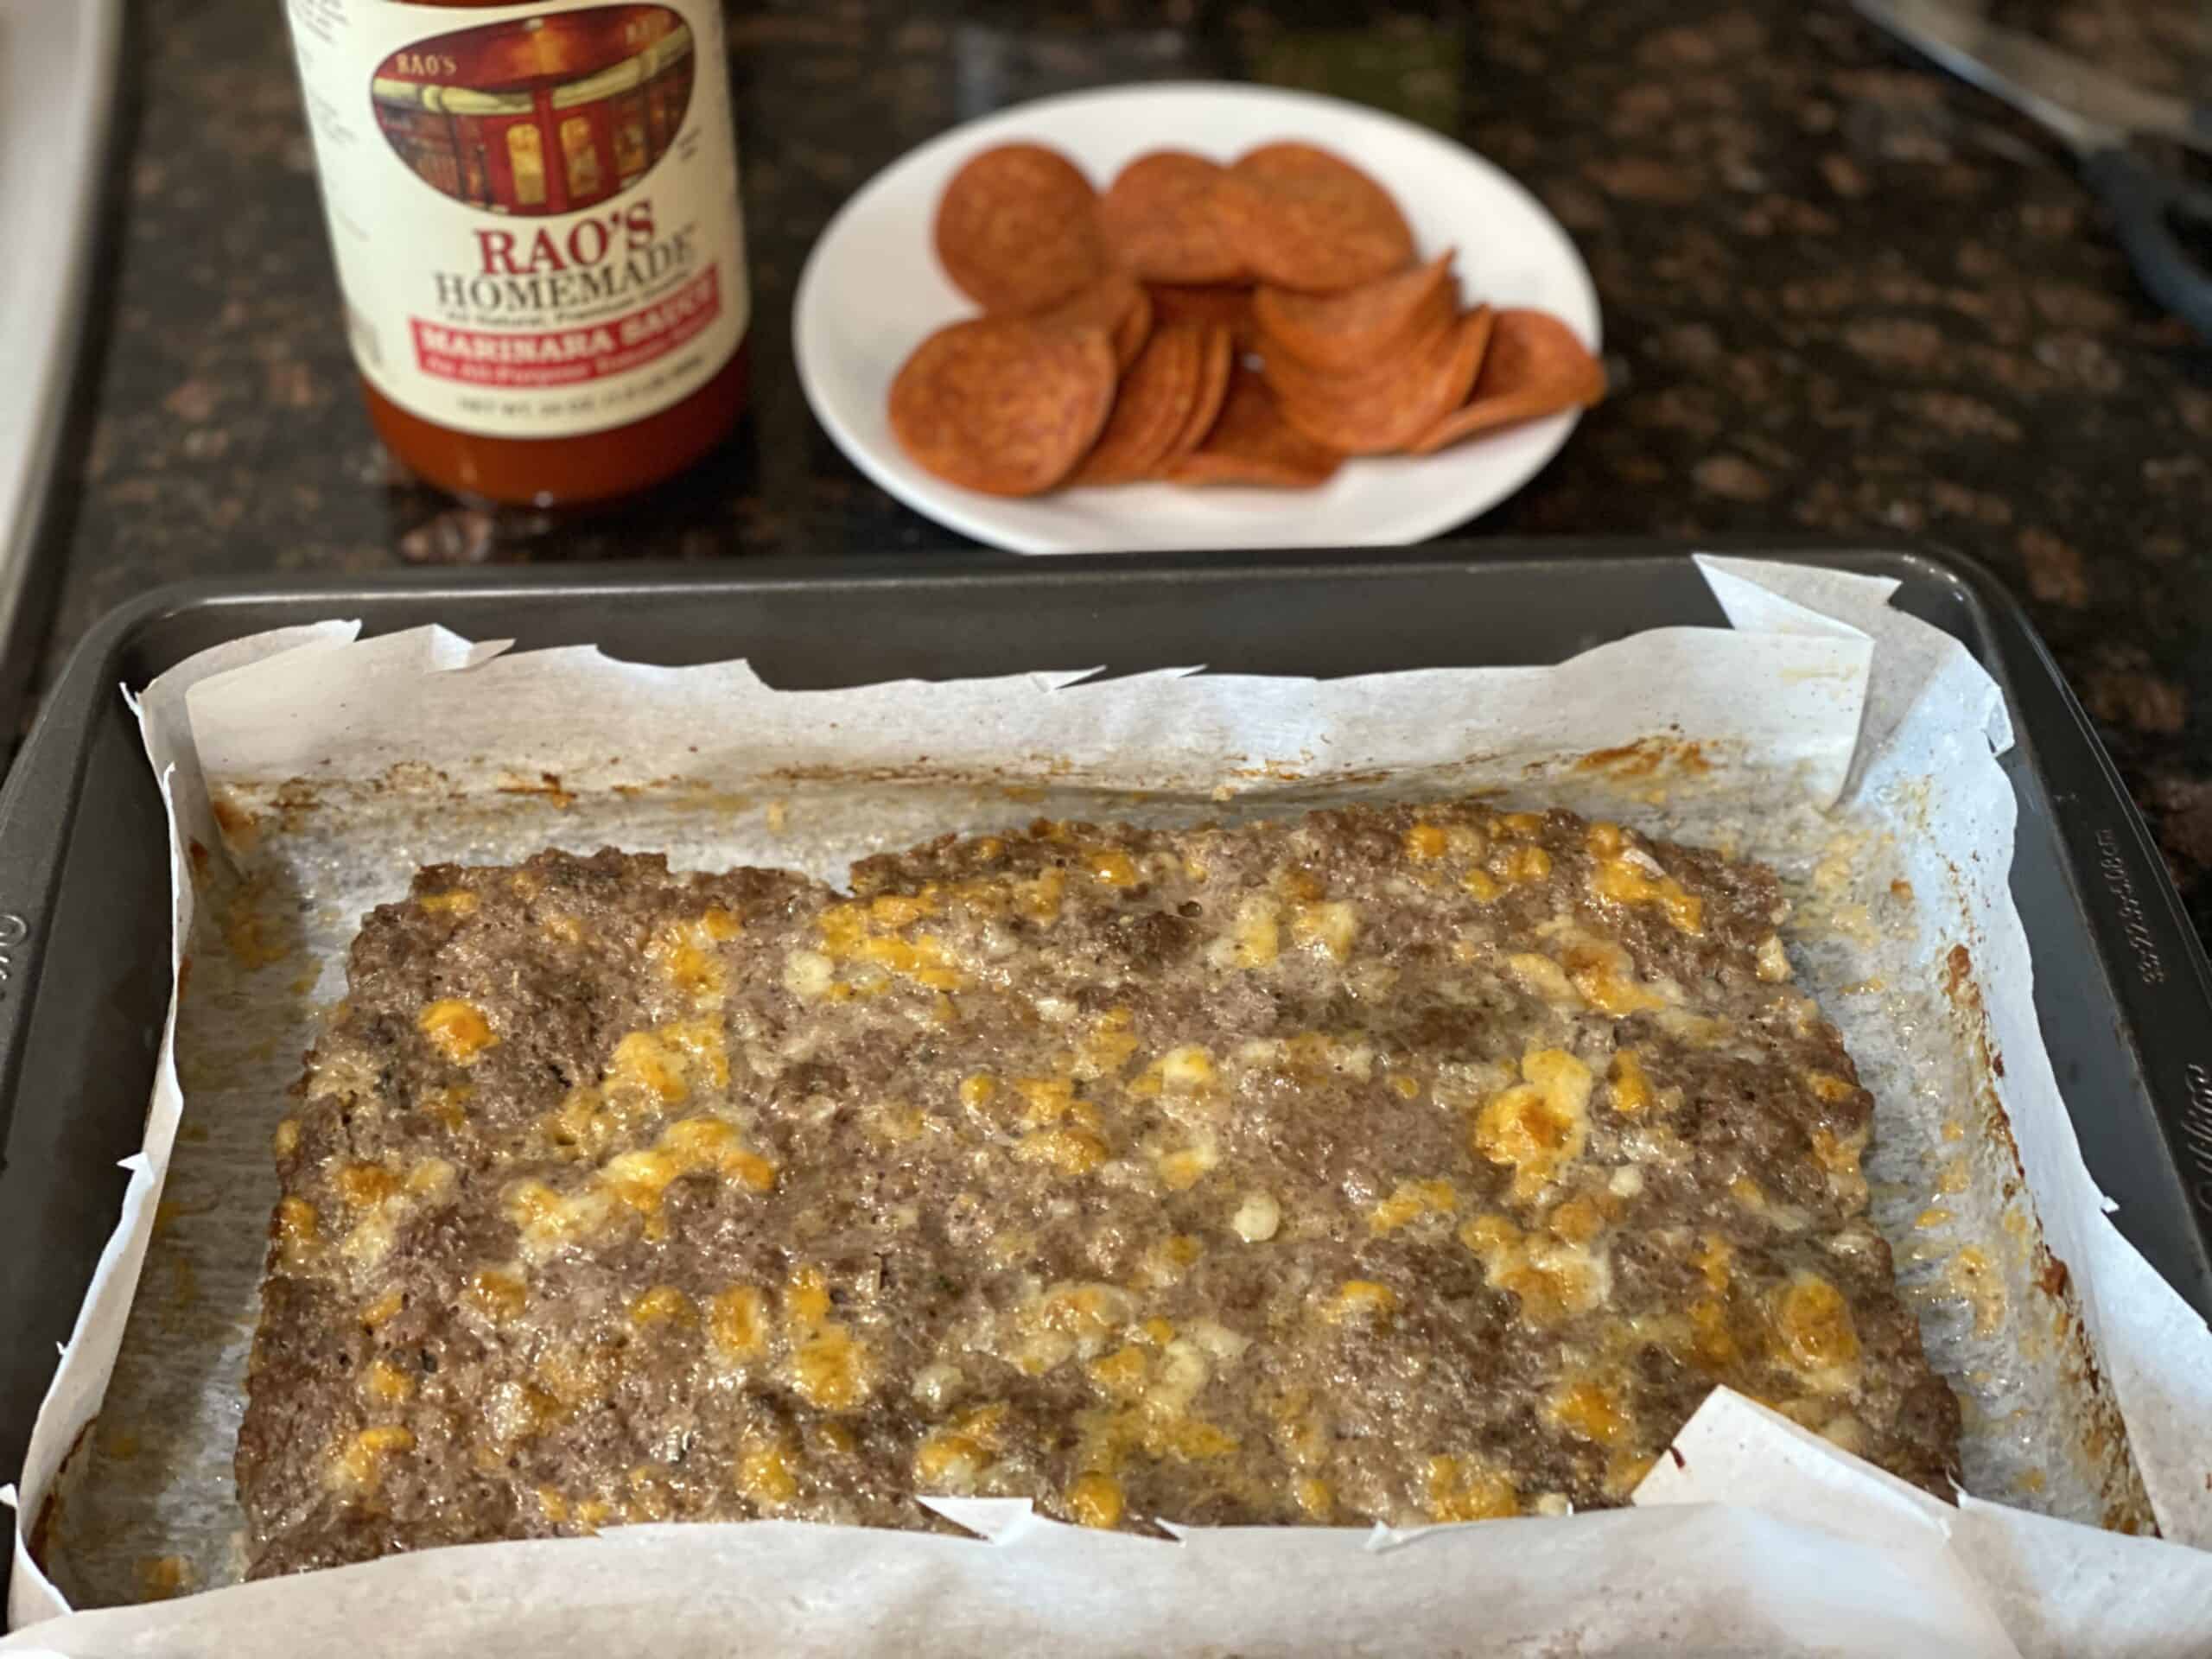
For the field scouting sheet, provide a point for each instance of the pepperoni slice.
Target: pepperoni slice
(1251, 443)
(1376, 417)
(1305, 219)
(1380, 377)
(1205, 409)
(1003, 405)
(1536, 367)
(1151, 410)
(1344, 333)
(1229, 307)
(1017, 229)
(1117, 304)
(1161, 219)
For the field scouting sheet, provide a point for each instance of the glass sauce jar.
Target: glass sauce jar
(534, 216)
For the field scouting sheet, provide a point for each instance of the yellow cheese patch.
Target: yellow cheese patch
(1631, 1084)
(1168, 1261)
(1711, 1341)
(685, 953)
(369, 1240)
(360, 1462)
(1578, 1221)
(806, 1299)
(1186, 1074)
(635, 1181)
(1110, 865)
(1626, 881)
(1521, 864)
(1361, 1301)
(1589, 1409)
(1254, 939)
(1553, 1278)
(1544, 979)
(384, 1310)
(1839, 1156)
(1697, 1030)
(1539, 1125)
(1410, 1202)
(1089, 1313)
(1605, 975)
(737, 1322)
(1184, 1168)
(296, 1228)
(495, 1294)
(830, 1369)
(365, 1186)
(456, 1029)
(1106, 1047)
(663, 1066)
(639, 1179)
(1424, 840)
(1185, 1070)
(1814, 1323)
(1462, 1489)
(1045, 1100)
(1071, 1152)
(1124, 1372)
(1094, 1500)
(949, 1462)
(548, 1220)
(767, 1470)
(662, 1305)
(1331, 926)
(386, 1383)
(867, 937)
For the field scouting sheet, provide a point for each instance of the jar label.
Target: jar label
(535, 214)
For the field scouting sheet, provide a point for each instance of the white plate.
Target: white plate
(872, 288)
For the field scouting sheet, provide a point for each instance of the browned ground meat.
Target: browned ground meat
(1402, 1164)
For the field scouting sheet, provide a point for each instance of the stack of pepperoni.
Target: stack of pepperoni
(1248, 324)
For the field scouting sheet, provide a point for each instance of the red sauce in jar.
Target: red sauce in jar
(536, 229)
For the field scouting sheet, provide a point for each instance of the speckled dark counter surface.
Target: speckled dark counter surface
(1842, 293)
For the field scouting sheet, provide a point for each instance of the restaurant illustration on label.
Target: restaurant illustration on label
(539, 115)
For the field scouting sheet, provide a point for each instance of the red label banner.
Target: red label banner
(568, 357)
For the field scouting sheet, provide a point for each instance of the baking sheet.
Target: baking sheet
(326, 753)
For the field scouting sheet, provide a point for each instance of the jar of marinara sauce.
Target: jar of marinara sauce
(535, 214)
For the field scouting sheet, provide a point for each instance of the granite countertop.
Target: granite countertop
(1842, 294)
